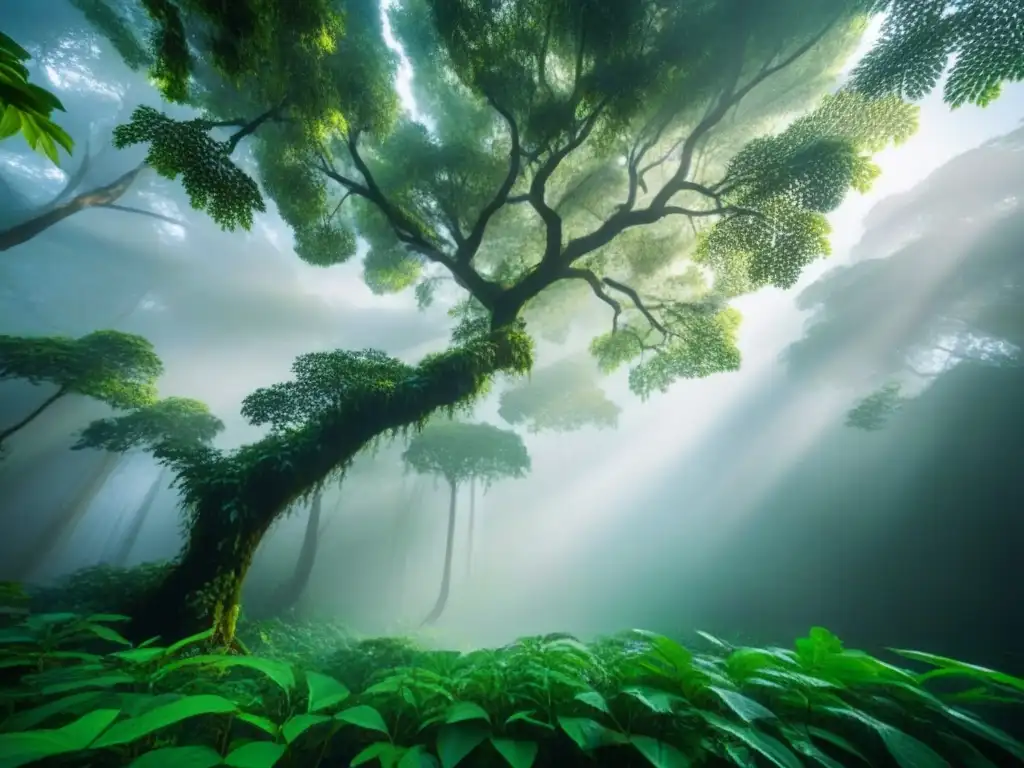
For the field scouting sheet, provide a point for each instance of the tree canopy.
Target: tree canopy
(458, 451)
(563, 397)
(176, 420)
(119, 369)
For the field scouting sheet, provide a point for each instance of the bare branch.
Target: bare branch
(638, 304)
(143, 212)
(598, 288)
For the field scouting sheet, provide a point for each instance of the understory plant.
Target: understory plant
(77, 693)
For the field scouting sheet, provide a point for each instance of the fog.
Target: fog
(739, 504)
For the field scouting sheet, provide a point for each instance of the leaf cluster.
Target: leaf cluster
(564, 397)
(178, 420)
(26, 107)
(117, 368)
(635, 699)
(458, 451)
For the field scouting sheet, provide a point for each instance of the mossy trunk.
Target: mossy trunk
(289, 594)
(138, 519)
(235, 500)
(449, 551)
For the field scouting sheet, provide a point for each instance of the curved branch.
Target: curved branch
(598, 288)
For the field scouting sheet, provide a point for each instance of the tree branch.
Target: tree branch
(251, 127)
(142, 212)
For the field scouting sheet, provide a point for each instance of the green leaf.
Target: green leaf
(363, 716)
(384, 751)
(417, 757)
(265, 725)
(984, 730)
(656, 701)
(953, 667)
(105, 681)
(968, 755)
(836, 741)
(102, 632)
(907, 751)
(199, 637)
(107, 618)
(456, 740)
(466, 710)
(595, 700)
(518, 754)
(773, 749)
(26, 719)
(659, 754)
(15, 637)
(590, 734)
(324, 692)
(178, 757)
(527, 717)
(255, 754)
(164, 716)
(18, 749)
(140, 655)
(746, 708)
(279, 672)
(299, 724)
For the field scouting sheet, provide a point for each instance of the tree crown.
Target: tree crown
(459, 451)
(177, 420)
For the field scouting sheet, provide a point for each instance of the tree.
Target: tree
(173, 420)
(570, 139)
(27, 108)
(563, 397)
(119, 369)
(459, 452)
(874, 411)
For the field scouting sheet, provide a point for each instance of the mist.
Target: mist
(740, 504)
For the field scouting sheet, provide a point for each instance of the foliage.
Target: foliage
(564, 397)
(634, 699)
(97, 589)
(176, 420)
(26, 107)
(874, 411)
(458, 451)
(984, 38)
(119, 369)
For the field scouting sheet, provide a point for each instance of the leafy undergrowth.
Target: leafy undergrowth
(76, 693)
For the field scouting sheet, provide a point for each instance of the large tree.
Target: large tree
(597, 143)
(460, 452)
(119, 369)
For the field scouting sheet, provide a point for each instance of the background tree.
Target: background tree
(119, 369)
(173, 420)
(27, 108)
(557, 99)
(458, 452)
(564, 397)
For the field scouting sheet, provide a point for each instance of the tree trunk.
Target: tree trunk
(472, 521)
(99, 197)
(290, 592)
(229, 519)
(17, 427)
(131, 536)
(446, 578)
(59, 531)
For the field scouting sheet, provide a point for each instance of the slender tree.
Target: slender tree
(569, 141)
(119, 369)
(563, 397)
(460, 452)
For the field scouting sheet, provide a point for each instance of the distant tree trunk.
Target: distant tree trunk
(131, 536)
(472, 521)
(60, 529)
(290, 592)
(446, 578)
(18, 426)
(100, 197)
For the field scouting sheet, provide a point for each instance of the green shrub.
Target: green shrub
(636, 699)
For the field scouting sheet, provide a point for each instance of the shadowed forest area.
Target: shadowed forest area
(436, 383)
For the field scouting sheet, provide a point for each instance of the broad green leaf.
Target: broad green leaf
(746, 708)
(590, 734)
(29, 718)
(277, 671)
(804, 746)
(953, 667)
(107, 618)
(256, 754)
(527, 717)
(720, 644)
(10, 123)
(324, 692)
(417, 757)
(101, 631)
(105, 681)
(363, 716)
(968, 755)
(164, 716)
(178, 757)
(658, 753)
(466, 710)
(265, 725)
(15, 636)
(41, 620)
(771, 748)
(984, 730)
(907, 751)
(299, 724)
(140, 655)
(836, 741)
(669, 650)
(17, 749)
(199, 637)
(656, 701)
(740, 756)
(594, 699)
(456, 740)
(384, 751)
(518, 754)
